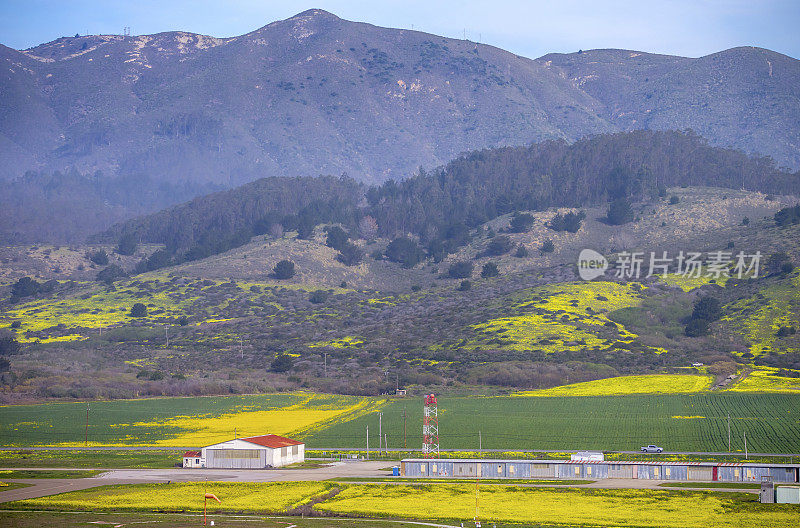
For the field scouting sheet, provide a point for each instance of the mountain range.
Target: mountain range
(315, 94)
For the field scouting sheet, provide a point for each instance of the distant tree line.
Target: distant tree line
(431, 214)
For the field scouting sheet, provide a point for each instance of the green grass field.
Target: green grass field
(129, 459)
(179, 422)
(46, 474)
(678, 422)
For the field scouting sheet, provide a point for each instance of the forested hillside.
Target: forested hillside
(440, 206)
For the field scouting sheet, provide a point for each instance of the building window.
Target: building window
(500, 469)
(589, 471)
(749, 473)
(434, 468)
(577, 470)
(196, 460)
(736, 472)
(667, 471)
(284, 452)
(655, 471)
(295, 450)
(512, 469)
(422, 468)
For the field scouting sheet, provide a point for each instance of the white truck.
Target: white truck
(652, 449)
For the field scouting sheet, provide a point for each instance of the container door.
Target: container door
(714, 473)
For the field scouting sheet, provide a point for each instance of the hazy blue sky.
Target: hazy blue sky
(530, 28)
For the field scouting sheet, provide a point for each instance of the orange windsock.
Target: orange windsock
(212, 496)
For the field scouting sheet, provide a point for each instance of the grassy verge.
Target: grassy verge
(89, 459)
(726, 485)
(8, 486)
(46, 474)
(395, 456)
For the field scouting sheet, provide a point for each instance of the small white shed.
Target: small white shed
(255, 452)
(191, 459)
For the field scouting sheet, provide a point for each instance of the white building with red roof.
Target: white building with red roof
(255, 452)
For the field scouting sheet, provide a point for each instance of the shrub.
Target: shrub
(16, 324)
(111, 274)
(318, 296)
(788, 216)
(708, 309)
(499, 245)
(183, 320)
(99, 257)
(674, 200)
(350, 255)
(696, 328)
(777, 262)
(786, 331)
(619, 212)
(337, 237)
(460, 270)
(745, 221)
(284, 270)
(282, 363)
(25, 287)
(465, 286)
(521, 222)
(138, 310)
(405, 251)
(522, 252)
(548, 246)
(126, 245)
(8, 345)
(490, 270)
(570, 222)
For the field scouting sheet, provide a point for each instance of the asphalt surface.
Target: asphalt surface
(352, 470)
(44, 487)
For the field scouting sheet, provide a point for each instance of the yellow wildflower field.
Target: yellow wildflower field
(311, 413)
(767, 379)
(563, 317)
(647, 384)
(579, 507)
(183, 496)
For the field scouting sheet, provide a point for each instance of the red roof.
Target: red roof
(191, 454)
(271, 440)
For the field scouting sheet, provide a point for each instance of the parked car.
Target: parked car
(652, 449)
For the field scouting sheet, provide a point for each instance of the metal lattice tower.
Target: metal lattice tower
(430, 428)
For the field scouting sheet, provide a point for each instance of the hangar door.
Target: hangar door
(700, 473)
(235, 458)
(464, 469)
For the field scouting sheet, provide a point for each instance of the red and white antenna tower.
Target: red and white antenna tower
(430, 428)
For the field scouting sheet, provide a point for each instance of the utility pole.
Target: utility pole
(404, 429)
(380, 432)
(729, 432)
(367, 442)
(166, 334)
(325, 368)
(241, 347)
(86, 434)
(385, 443)
(745, 445)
